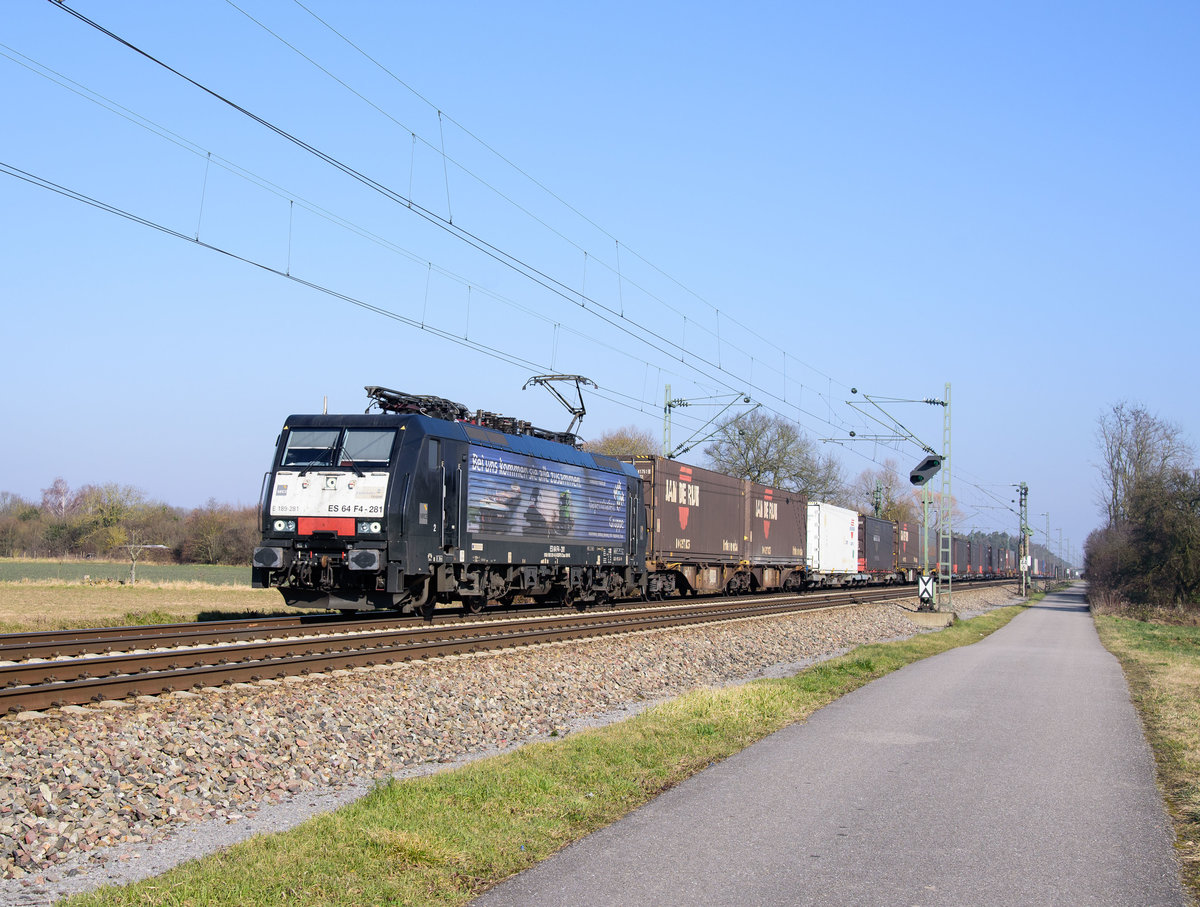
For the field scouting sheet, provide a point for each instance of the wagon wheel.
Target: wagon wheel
(473, 604)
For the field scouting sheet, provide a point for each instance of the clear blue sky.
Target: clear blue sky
(786, 199)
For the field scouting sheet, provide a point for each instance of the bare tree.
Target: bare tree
(56, 499)
(105, 513)
(627, 441)
(894, 493)
(773, 451)
(1134, 445)
(206, 528)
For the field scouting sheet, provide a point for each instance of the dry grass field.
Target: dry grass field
(72, 593)
(59, 606)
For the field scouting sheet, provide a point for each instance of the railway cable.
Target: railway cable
(613, 317)
(440, 151)
(521, 266)
(504, 258)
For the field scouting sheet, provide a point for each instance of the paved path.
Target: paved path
(1010, 772)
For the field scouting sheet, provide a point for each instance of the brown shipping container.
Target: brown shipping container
(908, 546)
(959, 561)
(876, 545)
(694, 514)
(981, 557)
(777, 524)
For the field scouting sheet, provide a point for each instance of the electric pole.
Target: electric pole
(1023, 553)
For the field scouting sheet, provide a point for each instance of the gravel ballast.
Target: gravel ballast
(114, 792)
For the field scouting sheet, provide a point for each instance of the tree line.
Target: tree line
(104, 520)
(1148, 551)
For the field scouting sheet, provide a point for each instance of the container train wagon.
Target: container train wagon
(709, 532)
(425, 502)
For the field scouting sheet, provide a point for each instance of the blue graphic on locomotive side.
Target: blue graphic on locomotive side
(513, 494)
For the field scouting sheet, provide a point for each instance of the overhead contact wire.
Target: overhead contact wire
(524, 268)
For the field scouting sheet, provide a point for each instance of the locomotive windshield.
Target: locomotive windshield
(353, 448)
(368, 446)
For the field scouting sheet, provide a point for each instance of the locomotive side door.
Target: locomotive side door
(454, 487)
(425, 522)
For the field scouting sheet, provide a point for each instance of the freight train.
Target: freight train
(425, 502)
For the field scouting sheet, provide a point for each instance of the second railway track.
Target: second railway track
(76, 667)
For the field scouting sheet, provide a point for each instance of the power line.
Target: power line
(237, 170)
(611, 395)
(536, 182)
(514, 262)
(598, 309)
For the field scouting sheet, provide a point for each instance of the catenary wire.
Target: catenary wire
(514, 262)
(598, 309)
(543, 187)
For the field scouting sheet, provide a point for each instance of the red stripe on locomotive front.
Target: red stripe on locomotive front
(307, 525)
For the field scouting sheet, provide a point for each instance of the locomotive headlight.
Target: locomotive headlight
(365, 528)
(285, 525)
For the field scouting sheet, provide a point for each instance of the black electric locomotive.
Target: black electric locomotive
(424, 502)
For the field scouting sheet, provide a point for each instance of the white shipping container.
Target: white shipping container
(832, 539)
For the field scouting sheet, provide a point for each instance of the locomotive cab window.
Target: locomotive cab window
(311, 447)
(355, 448)
(367, 448)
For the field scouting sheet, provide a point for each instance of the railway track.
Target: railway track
(50, 669)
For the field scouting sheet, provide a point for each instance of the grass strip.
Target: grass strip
(30, 608)
(445, 838)
(1162, 664)
(97, 571)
